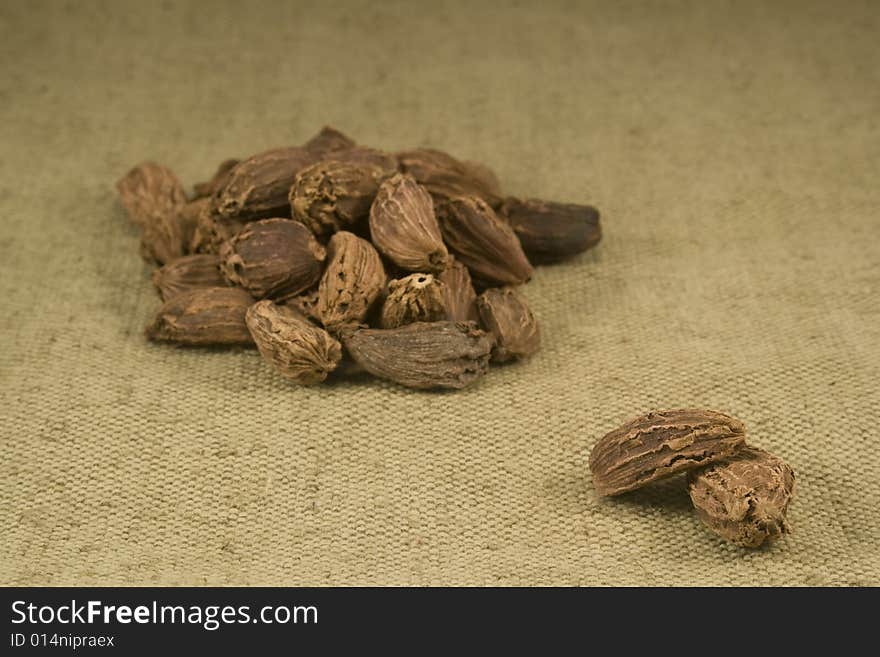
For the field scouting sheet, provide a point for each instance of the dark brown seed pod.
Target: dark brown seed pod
(416, 298)
(204, 316)
(744, 498)
(403, 226)
(461, 299)
(483, 242)
(507, 316)
(187, 273)
(306, 303)
(212, 230)
(217, 181)
(149, 193)
(422, 355)
(189, 215)
(550, 232)
(351, 283)
(330, 196)
(258, 187)
(272, 257)
(660, 444)
(296, 348)
(446, 177)
(328, 140)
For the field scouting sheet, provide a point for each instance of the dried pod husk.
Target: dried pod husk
(187, 273)
(422, 355)
(330, 196)
(415, 298)
(287, 340)
(403, 226)
(258, 187)
(306, 303)
(204, 316)
(661, 444)
(212, 230)
(507, 316)
(217, 181)
(461, 299)
(163, 240)
(189, 216)
(328, 140)
(744, 498)
(272, 258)
(149, 193)
(446, 177)
(483, 242)
(550, 232)
(351, 283)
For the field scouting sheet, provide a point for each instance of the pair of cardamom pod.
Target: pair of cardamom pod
(740, 492)
(331, 252)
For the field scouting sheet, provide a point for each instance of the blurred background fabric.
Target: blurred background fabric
(733, 149)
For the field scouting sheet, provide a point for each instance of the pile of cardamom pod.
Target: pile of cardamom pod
(337, 258)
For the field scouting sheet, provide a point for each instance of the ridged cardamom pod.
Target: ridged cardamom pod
(351, 283)
(306, 303)
(507, 316)
(446, 177)
(299, 350)
(272, 257)
(187, 273)
(660, 444)
(461, 299)
(330, 196)
(212, 230)
(258, 187)
(744, 498)
(415, 298)
(328, 140)
(204, 316)
(403, 226)
(422, 355)
(217, 181)
(550, 231)
(483, 242)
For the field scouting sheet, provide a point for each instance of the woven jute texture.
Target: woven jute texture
(733, 149)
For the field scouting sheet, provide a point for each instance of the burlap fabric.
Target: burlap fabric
(733, 148)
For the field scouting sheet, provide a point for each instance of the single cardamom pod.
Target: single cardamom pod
(351, 283)
(660, 444)
(744, 498)
(204, 316)
(258, 187)
(189, 215)
(329, 140)
(483, 242)
(507, 316)
(424, 354)
(150, 192)
(550, 232)
(299, 350)
(403, 226)
(212, 230)
(461, 300)
(415, 298)
(187, 273)
(446, 177)
(272, 257)
(330, 196)
(217, 181)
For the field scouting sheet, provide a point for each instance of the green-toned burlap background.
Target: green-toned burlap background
(733, 148)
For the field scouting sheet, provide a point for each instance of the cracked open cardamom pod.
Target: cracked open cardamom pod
(272, 257)
(351, 283)
(483, 242)
(550, 232)
(744, 498)
(299, 350)
(186, 273)
(507, 316)
(330, 196)
(404, 228)
(204, 316)
(446, 177)
(461, 299)
(424, 354)
(415, 298)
